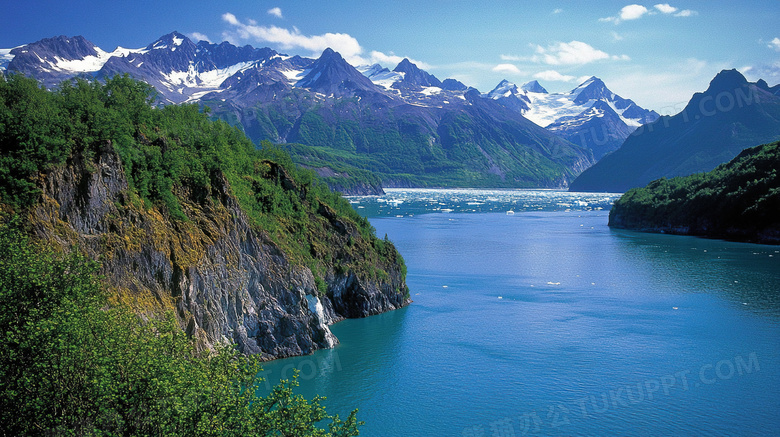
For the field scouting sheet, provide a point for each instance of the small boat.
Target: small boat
(510, 212)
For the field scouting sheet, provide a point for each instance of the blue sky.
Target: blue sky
(657, 54)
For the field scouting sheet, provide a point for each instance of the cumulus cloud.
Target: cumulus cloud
(197, 36)
(290, 39)
(553, 76)
(769, 72)
(507, 68)
(376, 57)
(665, 8)
(630, 12)
(774, 44)
(343, 43)
(571, 53)
(557, 11)
(512, 58)
(686, 13)
(635, 12)
(276, 12)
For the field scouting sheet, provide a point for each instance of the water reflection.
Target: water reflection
(746, 274)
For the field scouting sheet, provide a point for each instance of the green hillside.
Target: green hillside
(153, 199)
(738, 200)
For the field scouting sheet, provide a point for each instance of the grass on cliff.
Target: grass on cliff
(176, 146)
(72, 366)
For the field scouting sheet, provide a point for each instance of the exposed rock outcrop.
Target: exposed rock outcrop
(226, 280)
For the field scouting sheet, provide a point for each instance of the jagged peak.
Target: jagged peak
(170, 41)
(413, 76)
(329, 53)
(727, 80)
(453, 85)
(405, 66)
(502, 88)
(60, 41)
(534, 87)
(592, 81)
(592, 89)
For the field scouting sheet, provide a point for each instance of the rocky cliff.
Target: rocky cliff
(226, 279)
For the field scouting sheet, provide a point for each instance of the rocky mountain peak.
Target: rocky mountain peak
(172, 42)
(533, 87)
(592, 89)
(331, 74)
(726, 80)
(414, 77)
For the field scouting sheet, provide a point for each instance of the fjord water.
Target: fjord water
(547, 322)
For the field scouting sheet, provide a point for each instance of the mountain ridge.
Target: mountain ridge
(369, 111)
(590, 116)
(714, 127)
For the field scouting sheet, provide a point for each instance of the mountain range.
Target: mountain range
(716, 125)
(590, 115)
(404, 125)
(365, 127)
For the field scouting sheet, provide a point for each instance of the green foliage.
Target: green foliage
(71, 366)
(178, 151)
(407, 145)
(738, 199)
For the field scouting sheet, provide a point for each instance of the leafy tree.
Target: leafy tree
(72, 366)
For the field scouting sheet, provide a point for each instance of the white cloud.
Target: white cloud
(391, 60)
(768, 72)
(774, 44)
(665, 8)
(666, 89)
(571, 53)
(343, 43)
(276, 12)
(635, 12)
(557, 11)
(197, 36)
(632, 12)
(512, 58)
(289, 39)
(686, 13)
(616, 36)
(553, 76)
(507, 68)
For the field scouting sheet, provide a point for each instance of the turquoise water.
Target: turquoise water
(547, 322)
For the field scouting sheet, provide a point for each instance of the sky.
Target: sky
(657, 54)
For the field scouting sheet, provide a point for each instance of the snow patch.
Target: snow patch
(211, 79)
(431, 90)
(380, 76)
(5, 58)
(293, 76)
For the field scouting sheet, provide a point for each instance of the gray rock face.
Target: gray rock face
(226, 281)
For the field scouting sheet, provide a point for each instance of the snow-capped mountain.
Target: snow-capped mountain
(405, 124)
(590, 115)
(696, 140)
(380, 75)
(331, 75)
(52, 60)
